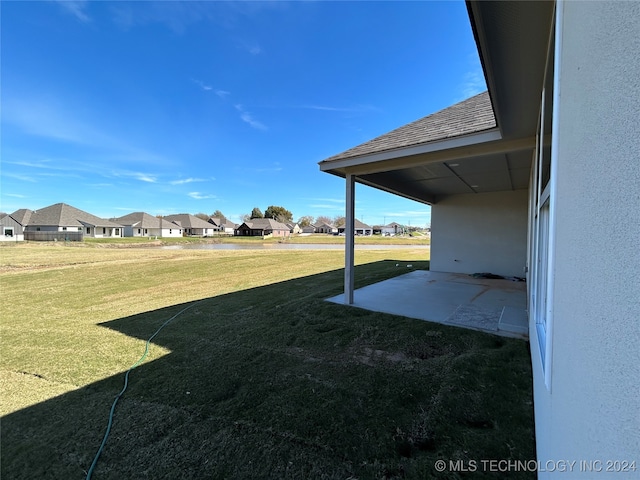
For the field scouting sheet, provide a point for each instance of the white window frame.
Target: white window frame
(542, 215)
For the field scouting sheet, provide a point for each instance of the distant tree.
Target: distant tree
(305, 221)
(280, 214)
(323, 219)
(220, 215)
(339, 221)
(256, 213)
(202, 216)
(246, 217)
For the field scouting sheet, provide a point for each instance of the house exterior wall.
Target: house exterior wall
(591, 409)
(10, 230)
(484, 232)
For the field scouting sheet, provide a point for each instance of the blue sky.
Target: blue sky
(188, 107)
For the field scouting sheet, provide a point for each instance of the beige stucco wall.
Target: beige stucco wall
(484, 232)
(592, 410)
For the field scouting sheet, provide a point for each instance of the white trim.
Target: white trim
(553, 192)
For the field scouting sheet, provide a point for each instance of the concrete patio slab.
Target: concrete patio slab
(490, 305)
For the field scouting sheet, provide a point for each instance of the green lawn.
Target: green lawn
(261, 379)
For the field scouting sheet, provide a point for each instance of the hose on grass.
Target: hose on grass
(126, 384)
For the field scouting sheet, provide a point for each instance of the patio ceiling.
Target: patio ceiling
(484, 144)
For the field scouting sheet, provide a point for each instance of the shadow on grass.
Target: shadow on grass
(274, 382)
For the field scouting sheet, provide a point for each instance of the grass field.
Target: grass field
(260, 379)
(321, 239)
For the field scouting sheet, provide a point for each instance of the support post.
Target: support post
(349, 239)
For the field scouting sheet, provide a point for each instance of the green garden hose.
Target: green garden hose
(126, 383)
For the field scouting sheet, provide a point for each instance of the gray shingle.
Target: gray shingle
(142, 220)
(63, 215)
(265, 224)
(186, 220)
(469, 116)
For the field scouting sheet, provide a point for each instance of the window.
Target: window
(542, 227)
(88, 230)
(104, 230)
(64, 229)
(8, 232)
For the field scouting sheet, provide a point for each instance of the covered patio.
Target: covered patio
(496, 306)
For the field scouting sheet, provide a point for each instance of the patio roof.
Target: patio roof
(483, 144)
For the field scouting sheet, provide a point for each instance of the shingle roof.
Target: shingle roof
(358, 224)
(64, 215)
(22, 216)
(186, 220)
(469, 116)
(265, 224)
(142, 220)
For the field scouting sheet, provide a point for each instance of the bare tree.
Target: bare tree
(339, 221)
(305, 221)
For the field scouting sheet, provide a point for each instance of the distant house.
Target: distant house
(392, 229)
(294, 228)
(326, 228)
(309, 229)
(191, 225)
(70, 223)
(228, 228)
(141, 224)
(12, 230)
(359, 227)
(222, 226)
(262, 227)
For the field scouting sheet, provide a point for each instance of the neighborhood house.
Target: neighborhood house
(263, 227)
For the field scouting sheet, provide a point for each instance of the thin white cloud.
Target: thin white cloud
(53, 120)
(255, 50)
(222, 93)
(77, 8)
(419, 214)
(184, 181)
(14, 195)
(17, 176)
(202, 85)
(327, 206)
(247, 117)
(473, 81)
(143, 177)
(146, 178)
(200, 196)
